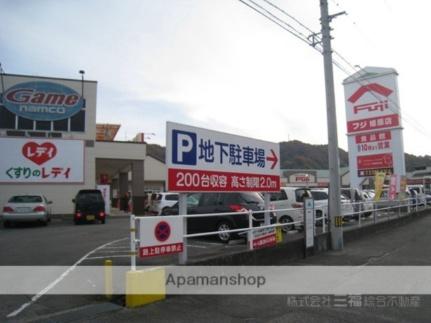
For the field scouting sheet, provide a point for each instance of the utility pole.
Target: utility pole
(335, 218)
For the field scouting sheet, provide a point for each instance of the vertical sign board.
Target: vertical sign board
(159, 236)
(393, 187)
(262, 238)
(374, 127)
(31, 160)
(309, 222)
(201, 160)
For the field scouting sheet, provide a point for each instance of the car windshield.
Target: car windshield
(26, 199)
(89, 197)
(251, 198)
(319, 195)
(171, 197)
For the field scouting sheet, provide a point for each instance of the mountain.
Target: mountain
(298, 155)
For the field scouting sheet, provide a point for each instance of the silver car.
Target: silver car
(25, 208)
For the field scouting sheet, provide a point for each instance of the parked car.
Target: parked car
(288, 205)
(162, 201)
(89, 206)
(321, 198)
(25, 208)
(360, 201)
(206, 203)
(418, 194)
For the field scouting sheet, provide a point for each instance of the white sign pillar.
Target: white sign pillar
(374, 126)
(182, 211)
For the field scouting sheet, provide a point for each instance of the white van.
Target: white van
(162, 201)
(321, 197)
(288, 205)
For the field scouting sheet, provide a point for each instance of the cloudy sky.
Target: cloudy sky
(218, 64)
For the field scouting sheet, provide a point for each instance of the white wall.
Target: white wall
(155, 170)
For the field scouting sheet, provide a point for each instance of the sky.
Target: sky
(219, 64)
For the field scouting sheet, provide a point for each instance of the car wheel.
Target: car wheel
(76, 222)
(6, 224)
(163, 212)
(286, 219)
(224, 236)
(103, 221)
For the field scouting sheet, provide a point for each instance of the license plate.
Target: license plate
(90, 217)
(23, 209)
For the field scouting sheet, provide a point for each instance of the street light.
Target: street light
(82, 72)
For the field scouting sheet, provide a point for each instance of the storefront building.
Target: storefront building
(48, 143)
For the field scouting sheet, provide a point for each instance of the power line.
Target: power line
(280, 22)
(300, 36)
(289, 15)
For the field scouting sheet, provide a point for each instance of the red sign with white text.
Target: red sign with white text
(212, 181)
(263, 238)
(373, 137)
(375, 161)
(364, 125)
(161, 250)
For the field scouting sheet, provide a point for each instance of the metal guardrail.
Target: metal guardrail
(406, 203)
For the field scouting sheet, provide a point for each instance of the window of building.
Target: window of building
(77, 122)
(7, 119)
(43, 125)
(61, 125)
(25, 124)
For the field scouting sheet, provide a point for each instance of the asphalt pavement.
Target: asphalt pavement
(409, 244)
(62, 243)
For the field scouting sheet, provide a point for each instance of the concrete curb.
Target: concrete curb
(294, 250)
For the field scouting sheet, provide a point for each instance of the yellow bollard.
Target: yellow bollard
(145, 286)
(108, 279)
(278, 235)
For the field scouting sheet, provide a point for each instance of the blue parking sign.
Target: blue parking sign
(184, 147)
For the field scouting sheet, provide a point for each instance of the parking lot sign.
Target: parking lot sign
(202, 160)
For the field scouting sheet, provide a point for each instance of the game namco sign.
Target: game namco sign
(41, 161)
(160, 236)
(201, 160)
(44, 101)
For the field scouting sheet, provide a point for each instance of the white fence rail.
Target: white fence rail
(379, 210)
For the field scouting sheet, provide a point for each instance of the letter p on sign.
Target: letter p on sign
(184, 147)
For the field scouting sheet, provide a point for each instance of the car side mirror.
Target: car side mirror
(73, 201)
(49, 202)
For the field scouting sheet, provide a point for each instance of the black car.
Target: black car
(205, 203)
(89, 206)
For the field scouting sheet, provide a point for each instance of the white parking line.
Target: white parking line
(59, 279)
(118, 248)
(104, 257)
(113, 252)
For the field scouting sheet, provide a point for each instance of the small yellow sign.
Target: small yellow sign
(379, 180)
